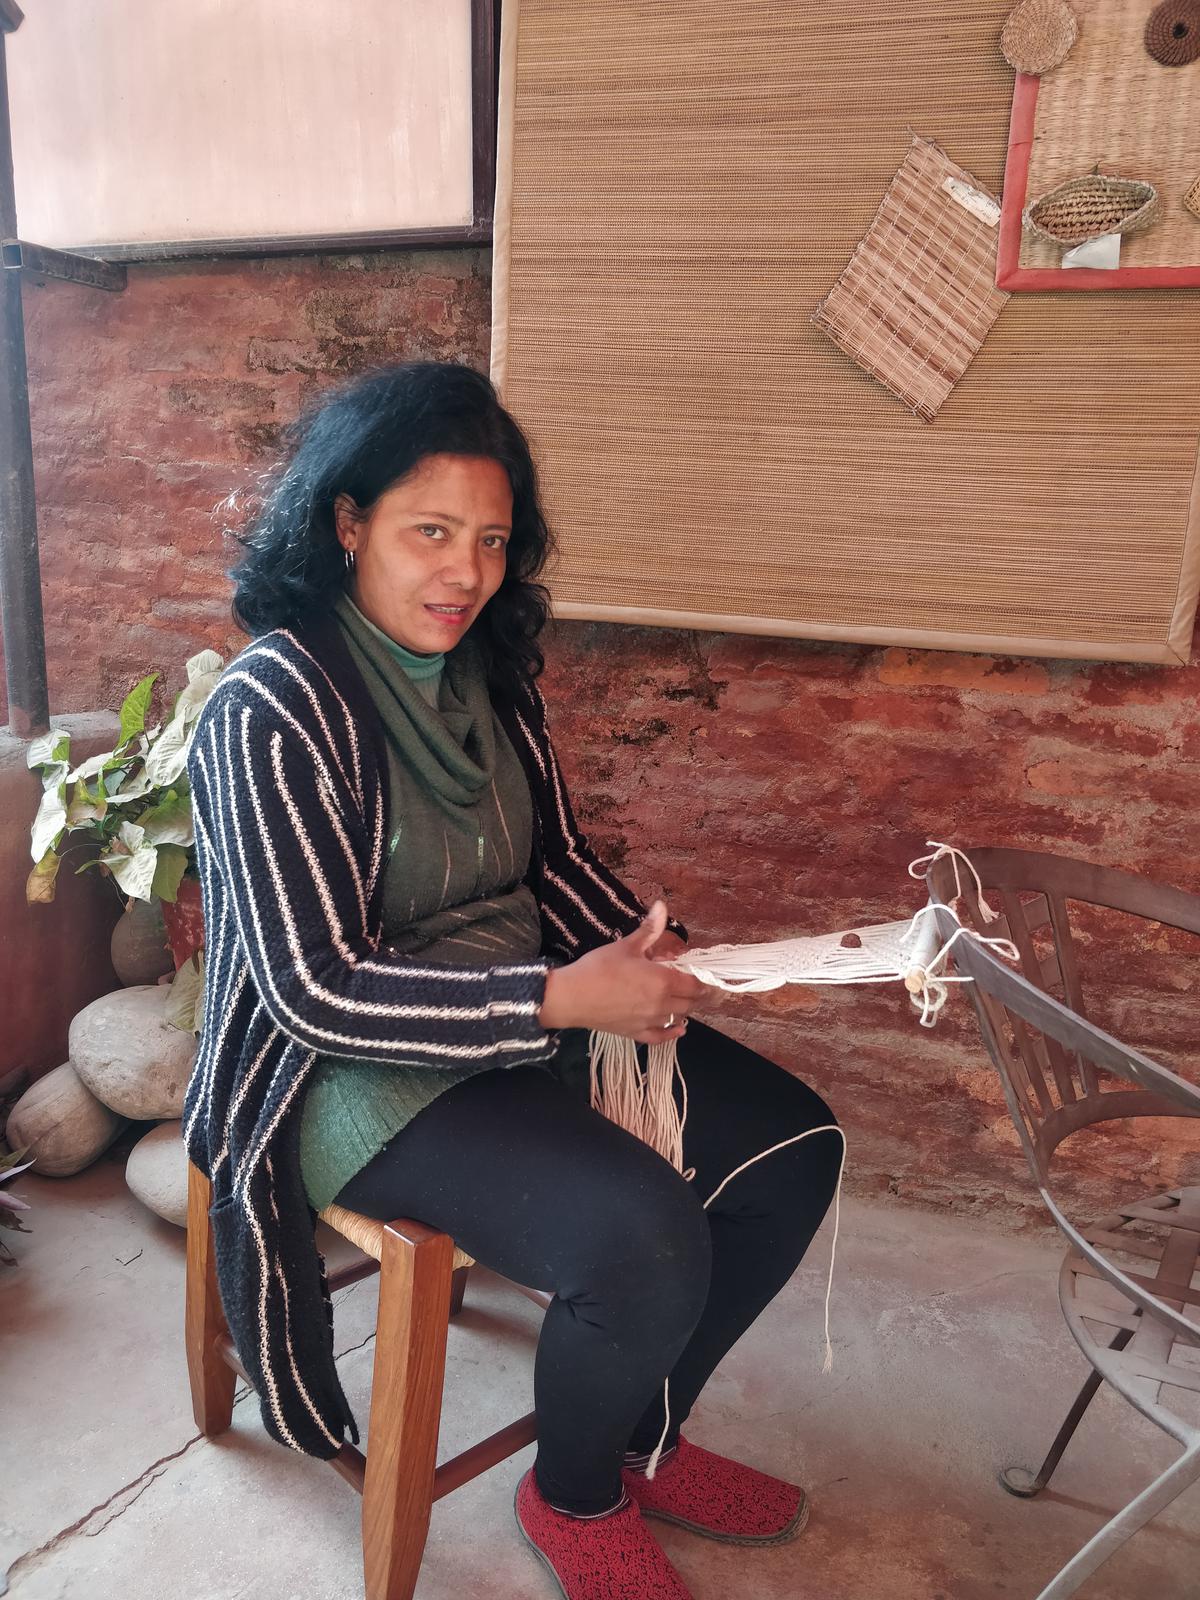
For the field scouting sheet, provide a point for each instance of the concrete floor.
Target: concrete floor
(942, 1373)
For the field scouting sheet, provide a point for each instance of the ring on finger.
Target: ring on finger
(670, 1022)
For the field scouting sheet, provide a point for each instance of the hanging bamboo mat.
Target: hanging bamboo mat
(680, 187)
(918, 295)
(1110, 103)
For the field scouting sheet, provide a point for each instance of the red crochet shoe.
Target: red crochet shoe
(719, 1498)
(610, 1557)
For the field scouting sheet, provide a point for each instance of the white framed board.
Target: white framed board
(147, 128)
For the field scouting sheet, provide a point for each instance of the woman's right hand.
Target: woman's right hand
(621, 989)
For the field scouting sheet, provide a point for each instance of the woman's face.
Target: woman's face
(430, 554)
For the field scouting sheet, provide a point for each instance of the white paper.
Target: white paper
(1102, 252)
(973, 200)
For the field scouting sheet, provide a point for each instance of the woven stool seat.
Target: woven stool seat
(367, 1234)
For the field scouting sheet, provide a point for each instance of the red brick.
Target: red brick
(1079, 777)
(738, 654)
(945, 670)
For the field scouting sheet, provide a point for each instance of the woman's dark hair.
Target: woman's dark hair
(359, 441)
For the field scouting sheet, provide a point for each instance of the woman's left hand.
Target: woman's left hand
(666, 947)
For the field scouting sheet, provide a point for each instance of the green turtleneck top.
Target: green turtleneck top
(459, 835)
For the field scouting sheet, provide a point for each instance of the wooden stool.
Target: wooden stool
(421, 1285)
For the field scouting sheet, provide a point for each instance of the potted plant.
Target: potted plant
(12, 1165)
(128, 809)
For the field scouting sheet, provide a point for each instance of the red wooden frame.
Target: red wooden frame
(1010, 274)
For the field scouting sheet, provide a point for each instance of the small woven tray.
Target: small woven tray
(1038, 34)
(1089, 207)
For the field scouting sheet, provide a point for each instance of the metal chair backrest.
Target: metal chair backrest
(1060, 1072)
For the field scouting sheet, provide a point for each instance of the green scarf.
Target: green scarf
(460, 829)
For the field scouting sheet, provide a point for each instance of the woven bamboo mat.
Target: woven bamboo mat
(918, 296)
(1111, 103)
(680, 187)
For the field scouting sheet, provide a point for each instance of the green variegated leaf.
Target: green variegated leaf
(134, 787)
(167, 759)
(133, 712)
(94, 766)
(208, 664)
(134, 871)
(131, 837)
(51, 817)
(185, 1003)
(170, 821)
(170, 868)
(204, 672)
(132, 861)
(39, 886)
(85, 806)
(49, 747)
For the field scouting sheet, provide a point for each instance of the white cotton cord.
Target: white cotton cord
(927, 980)
(827, 1364)
(643, 1102)
(918, 869)
(640, 1102)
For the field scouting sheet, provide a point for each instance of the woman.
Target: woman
(408, 943)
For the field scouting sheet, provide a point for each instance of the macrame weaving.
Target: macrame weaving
(643, 1101)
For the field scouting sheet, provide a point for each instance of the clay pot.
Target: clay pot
(184, 921)
(138, 947)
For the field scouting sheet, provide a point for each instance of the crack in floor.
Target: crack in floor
(349, 1351)
(24, 1564)
(891, 1314)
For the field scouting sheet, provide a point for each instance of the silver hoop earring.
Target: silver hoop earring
(349, 560)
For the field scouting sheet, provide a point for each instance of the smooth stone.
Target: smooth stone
(139, 949)
(157, 1172)
(62, 1123)
(130, 1056)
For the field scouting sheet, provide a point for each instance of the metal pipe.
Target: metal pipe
(20, 567)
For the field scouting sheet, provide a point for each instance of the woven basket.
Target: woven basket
(1172, 33)
(1087, 208)
(1192, 199)
(1038, 34)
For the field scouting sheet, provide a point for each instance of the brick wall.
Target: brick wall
(766, 785)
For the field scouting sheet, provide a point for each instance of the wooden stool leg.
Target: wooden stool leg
(212, 1380)
(406, 1406)
(458, 1289)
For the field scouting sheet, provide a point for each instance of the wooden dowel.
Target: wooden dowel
(496, 1447)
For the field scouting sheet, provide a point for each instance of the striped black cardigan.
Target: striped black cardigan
(289, 780)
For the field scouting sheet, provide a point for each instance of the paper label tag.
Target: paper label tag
(1104, 252)
(973, 200)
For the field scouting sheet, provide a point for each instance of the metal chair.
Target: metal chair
(422, 1281)
(1130, 1282)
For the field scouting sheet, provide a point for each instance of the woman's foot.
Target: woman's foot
(613, 1556)
(717, 1497)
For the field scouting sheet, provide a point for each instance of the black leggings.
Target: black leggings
(536, 1185)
